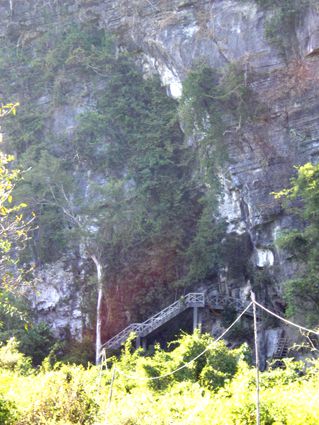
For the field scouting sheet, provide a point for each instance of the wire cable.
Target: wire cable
(286, 320)
(153, 378)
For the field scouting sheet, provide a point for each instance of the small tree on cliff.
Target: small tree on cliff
(100, 222)
(302, 292)
(95, 215)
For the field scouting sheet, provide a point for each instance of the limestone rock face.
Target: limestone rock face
(57, 299)
(172, 36)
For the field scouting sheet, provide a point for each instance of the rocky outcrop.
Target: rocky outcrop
(57, 299)
(170, 37)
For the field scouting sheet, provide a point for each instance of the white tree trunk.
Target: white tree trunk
(98, 339)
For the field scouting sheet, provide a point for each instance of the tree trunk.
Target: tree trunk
(98, 329)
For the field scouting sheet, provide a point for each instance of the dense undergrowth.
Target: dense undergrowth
(218, 388)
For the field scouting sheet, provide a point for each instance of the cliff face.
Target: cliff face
(172, 36)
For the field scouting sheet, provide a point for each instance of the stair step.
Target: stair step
(282, 349)
(193, 299)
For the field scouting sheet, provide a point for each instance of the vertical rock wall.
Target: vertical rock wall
(172, 36)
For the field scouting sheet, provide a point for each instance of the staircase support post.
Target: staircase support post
(253, 299)
(200, 319)
(138, 342)
(144, 343)
(195, 318)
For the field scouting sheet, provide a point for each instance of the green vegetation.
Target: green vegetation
(13, 229)
(143, 203)
(218, 388)
(213, 102)
(214, 108)
(13, 237)
(33, 340)
(302, 292)
(123, 181)
(287, 14)
(8, 215)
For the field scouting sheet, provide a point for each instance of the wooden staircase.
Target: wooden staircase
(194, 300)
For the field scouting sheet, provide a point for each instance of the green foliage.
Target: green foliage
(212, 102)
(14, 316)
(8, 108)
(65, 400)
(12, 359)
(302, 292)
(80, 353)
(203, 255)
(36, 342)
(216, 389)
(13, 231)
(41, 187)
(39, 72)
(8, 413)
(63, 396)
(122, 181)
(125, 171)
(13, 236)
(211, 370)
(286, 14)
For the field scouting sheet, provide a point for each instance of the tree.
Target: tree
(302, 292)
(121, 186)
(98, 220)
(13, 228)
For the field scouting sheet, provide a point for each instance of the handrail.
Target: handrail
(122, 336)
(218, 302)
(192, 299)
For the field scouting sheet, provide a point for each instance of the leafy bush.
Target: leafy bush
(217, 389)
(59, 397)
(8, 412)
(12, 359)
(79, 352)
(36, 342)
(211, 370)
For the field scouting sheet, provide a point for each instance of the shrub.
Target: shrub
(36, 342)
(12, 359)
(80, 352)
(62, 397)
(8, 412)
